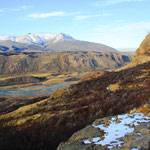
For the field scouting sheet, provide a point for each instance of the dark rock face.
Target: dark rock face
(20, 63)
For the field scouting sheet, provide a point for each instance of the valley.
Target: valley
(21, 71)
(48, 96)
(75, 75)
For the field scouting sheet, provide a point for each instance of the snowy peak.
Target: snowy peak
(3, 37)
(63, 37)
(37, 38)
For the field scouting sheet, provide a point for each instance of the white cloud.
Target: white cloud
(119, 36)
(113, 2)
(24, 7)
(82, 17)
(52, 14)
(21, 8)
(45, 15)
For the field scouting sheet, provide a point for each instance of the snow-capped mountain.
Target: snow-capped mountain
(37, 38)
(49, 42)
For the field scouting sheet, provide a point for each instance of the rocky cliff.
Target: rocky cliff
(21, 63)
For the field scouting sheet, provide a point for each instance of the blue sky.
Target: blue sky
(117, 23)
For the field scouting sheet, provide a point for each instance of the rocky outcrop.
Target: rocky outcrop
(86, 133)
(144, 48)
(128, 131)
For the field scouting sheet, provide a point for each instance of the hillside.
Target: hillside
(22, 63)
(46, 123)
(142, 54)
(144, 48)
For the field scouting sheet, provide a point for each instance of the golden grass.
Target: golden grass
(54, 80)
(142, 76)
(29, 74)
(22, 110)
(114, 87)
(131, 86)
(60, 78)
(51, 79)
(143, 109)
(16, 86)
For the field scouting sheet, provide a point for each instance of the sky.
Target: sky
(121, 24)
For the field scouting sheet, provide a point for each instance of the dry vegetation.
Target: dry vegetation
(70, 109)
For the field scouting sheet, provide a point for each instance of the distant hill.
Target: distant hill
(12, 63)
(47, 42)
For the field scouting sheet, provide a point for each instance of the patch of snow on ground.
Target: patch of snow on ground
(87, 142)
(117, 130)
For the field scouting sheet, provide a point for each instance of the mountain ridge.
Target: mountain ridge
(37, 38)
(48, 42)
(23, 62)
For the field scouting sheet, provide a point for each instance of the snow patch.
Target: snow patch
(116, 130)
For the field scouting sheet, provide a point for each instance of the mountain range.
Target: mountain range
(57, 53)
(38, 38)
(49, 42)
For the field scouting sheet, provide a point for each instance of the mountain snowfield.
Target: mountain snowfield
(37, 38)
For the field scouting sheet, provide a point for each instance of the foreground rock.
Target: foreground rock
(119, 132)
